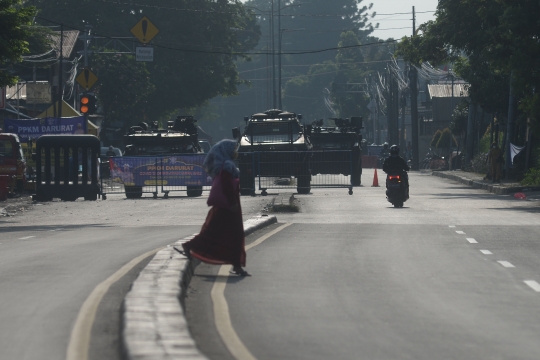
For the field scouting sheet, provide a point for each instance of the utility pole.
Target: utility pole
(279, 55)
(273, 60)
(414, 107)
(60, 73)
(510, 126)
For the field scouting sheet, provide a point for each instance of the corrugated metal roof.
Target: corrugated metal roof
(445, 90)
(70, 39)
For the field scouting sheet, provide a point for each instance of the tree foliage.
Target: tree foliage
(14, 36)
(195, 50)
(487, 41)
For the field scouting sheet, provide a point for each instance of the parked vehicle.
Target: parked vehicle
(180, 137)
(12, 160)
(105, 154)
(344, 136)
(279, 140)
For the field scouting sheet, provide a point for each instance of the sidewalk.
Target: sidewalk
(477, 181)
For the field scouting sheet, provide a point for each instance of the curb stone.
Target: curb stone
(153, 320)
(493, 188)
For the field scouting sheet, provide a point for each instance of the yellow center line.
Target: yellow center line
(222, 317)
(79, 341)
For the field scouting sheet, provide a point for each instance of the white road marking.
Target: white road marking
(486, 252)
(506, 264)
(451, 226)
(472, 241)
(533, 284)
(460, 232)
(222, 318)
(79, 341)
(26, 237)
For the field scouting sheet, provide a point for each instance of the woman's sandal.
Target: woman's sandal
(240, 272)
(185, 252)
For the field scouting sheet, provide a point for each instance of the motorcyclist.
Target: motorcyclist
(395, 164)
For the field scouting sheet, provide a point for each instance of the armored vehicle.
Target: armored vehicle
(180, 137)
(345, 135)
(278, 139)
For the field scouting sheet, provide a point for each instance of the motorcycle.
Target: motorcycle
(397, 190)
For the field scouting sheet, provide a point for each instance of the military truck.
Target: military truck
(180, 137)
(282, 150)
(344, 135)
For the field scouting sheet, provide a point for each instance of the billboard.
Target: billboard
(34, 128)
(179, 170)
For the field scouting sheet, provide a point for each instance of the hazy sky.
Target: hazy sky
(400, 25)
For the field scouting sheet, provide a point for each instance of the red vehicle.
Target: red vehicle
(12, 161)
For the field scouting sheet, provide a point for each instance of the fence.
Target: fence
(301, 170)
(134, 176)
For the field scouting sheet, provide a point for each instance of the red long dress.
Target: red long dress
(221, 240)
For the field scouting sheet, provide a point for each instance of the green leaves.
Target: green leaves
(14, 35)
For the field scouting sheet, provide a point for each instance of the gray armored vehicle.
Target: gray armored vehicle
(282, 150)
(345, 135)
(180, 137)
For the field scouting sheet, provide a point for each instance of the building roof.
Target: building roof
(445, 90)
(70, 39)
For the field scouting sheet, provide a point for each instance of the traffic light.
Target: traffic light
(87, 104)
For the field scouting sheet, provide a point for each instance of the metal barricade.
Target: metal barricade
(132, 176)
(184, 173)
(304, 170)
(136, 175)
(67, 167)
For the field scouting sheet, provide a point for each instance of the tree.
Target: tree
(195, 50)
(14, 35)
(124, 88)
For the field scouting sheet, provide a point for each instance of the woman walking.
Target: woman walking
(221, 240)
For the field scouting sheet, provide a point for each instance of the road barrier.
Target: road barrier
(136, 175)
(67, 167)
(301, 170)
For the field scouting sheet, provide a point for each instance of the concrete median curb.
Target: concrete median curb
(477, 184)
(153, 320)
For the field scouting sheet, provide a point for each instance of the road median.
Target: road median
(154, 325)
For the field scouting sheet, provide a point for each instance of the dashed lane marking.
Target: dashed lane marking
(26, 237)
(460, 232)
(451, 226)
(222, 317)
(506, 264)
(486, 252)
(533, 284)
(472, 241)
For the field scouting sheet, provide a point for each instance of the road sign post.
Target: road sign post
(144, 30)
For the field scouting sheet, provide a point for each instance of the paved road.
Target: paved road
(52, 257)
(453, 275)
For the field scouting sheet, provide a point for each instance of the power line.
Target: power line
(300, 52)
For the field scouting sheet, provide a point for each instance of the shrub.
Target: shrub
(532, 177)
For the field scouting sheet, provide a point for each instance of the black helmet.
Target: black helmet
(394, 150)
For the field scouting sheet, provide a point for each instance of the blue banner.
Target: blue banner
(34, 128)
(180, 170)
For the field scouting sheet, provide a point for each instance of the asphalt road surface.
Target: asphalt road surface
(453, 275)
(53, 256)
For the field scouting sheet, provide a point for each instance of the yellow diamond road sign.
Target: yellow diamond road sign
(86, 78)
(144, 30)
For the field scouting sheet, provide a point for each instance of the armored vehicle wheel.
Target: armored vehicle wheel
(133, 192)
(356, 177)
(91, 197)
(398, 204)
(69, 198)
(193, 191)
